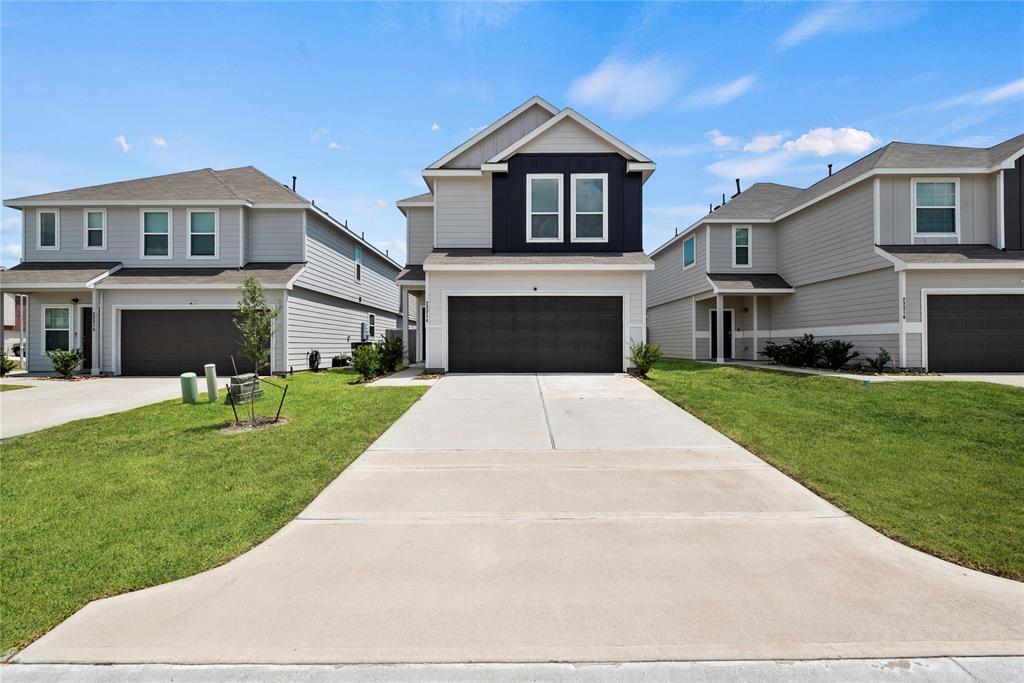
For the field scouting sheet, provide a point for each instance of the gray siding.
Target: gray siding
(669, 281)
(275, 235)
(501, 138)
(328, 324)
(862, 299)
(764, 249)
(832, 238)
(463, 206)
(977, 211)
(957, 279)
(670, 326)
(419, 237)
(567, 137)
(124, 236)
(330, 268)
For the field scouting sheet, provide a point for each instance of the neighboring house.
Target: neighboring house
(918, 249)
(527, 252)
(144, 275)
(12, 323)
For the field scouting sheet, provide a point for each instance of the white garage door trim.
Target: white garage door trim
(926, 292)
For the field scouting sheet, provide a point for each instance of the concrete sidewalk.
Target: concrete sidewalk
(556, 518)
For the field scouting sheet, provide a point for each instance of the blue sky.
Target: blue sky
(355, 99)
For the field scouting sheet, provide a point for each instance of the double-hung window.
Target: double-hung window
(544, 207)
(156, 233)
(741, 246)
(95, 222)
(48, 229)
(202, 233)
(359, 263)
(589, 197)
(936, 207)
(56, 328)
(689, 251)
(373, 326)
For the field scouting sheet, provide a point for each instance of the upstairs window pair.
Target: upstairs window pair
(94, 232)
(588, 196)
(157, 232)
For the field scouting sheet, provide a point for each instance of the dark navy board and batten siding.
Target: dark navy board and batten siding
(1013, 205)
(625, 203)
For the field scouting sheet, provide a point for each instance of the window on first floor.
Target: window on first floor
(57, 328)
(373, 326)
(544, 207)
(48, 229)
(202, 233)
(156, 233)
(689, 251)
(95, 229)
(741, 246)
(935, 207)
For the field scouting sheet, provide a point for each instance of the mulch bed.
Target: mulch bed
(256, 425)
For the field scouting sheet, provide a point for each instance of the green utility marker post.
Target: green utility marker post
(211, 382)
(189, 387)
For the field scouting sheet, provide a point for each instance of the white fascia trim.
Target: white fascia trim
(402, 204)
(754, 292)
(568, 112)
(13, 289)
(409, 283)
(457, 172)
(494, 168)
(539, 266)
(551, 109)
(640, 166)
(987, 265)
(877, 213)
(899, 263)
(218, 285)
(15, 204)
(291, 282)
(913, 171)
(1009, 162)
(280, 205)
(102, 276)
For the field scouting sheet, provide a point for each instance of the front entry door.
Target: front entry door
(86, 338)
(727, 350)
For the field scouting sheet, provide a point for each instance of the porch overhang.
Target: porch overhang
(749, 284)
(58, 275)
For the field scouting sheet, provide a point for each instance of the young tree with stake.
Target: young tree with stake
(255, 320)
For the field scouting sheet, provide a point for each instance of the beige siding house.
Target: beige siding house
(917, 249)
(143, 275)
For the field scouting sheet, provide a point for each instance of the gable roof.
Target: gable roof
(568, 113)
(760, 201)
(243, 185)
(534, 101)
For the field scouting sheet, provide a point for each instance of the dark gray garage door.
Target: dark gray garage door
(170, 342)
(535, 334)
(976, 333)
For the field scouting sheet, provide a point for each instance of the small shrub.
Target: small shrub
(366, 361)
(804, 352)
(643, 356)
(836, 353)
(65, 362)
(390, 351)
(879, 362)
(6, 364)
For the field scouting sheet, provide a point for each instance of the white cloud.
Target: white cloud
(465, 18)
(435, 126)
(992, 95)
(335, 145)
(1004, 92)
(394, 248)
(825, 141)
(720, 94)
(120, 139)
(12, 250)
(764, 143)
(626, 88)
(720, 139)
(159, 142)
(319, 133)
(380, 203)
(846, 17)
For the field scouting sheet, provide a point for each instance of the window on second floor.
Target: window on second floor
(689, 251)
(48, 229)
(95, 228)
(156, 233)
(936, 207)
(741, 246)
(589, 198)
(544, 207)
(202, 233)
(359, 263)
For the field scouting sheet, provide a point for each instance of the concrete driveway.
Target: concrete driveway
(51, 402)
(556, 518)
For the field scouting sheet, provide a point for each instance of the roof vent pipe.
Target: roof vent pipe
(830, 170)
(723, 198)
(711, 207)
(677, 231)
(737, 187)
(293, 183)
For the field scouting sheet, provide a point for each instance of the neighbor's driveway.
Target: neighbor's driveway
(52, 402)
(559, 517)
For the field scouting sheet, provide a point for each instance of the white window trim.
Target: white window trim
(603, 177)
(956, 208)
(56, 229)
(188, 234)
(691, 238)
(371, 326)
(85, 229)
(70, 327)
(142, 234)
(529, 203)
(749, 246)
(358, 258)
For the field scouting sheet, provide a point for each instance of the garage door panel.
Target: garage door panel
(976, 333)
(170, 342)
(534, 334)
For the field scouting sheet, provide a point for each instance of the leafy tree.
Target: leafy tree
(65, 362)
(255, 320)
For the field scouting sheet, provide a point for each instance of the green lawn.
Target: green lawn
(936, 465)
(116, 503)
(13, 387)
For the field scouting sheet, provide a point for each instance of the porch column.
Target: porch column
(755, 328)
(404, 312)
(720, 328)
(23, 332)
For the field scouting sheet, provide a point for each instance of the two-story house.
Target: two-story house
(144, 275)
(917, 249)
(527, 252)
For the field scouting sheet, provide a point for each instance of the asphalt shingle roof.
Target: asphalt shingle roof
(269, 274)
(487, 257)
(952, 253)
(752, 281)
(53, 272)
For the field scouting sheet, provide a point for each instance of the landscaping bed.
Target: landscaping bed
(111, 504)
(935, 465)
